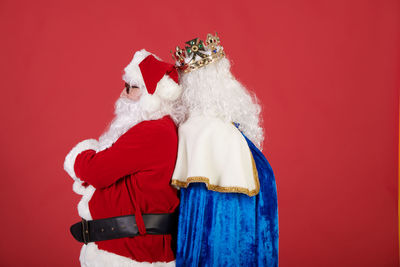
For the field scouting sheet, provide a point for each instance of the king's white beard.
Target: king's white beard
(128, 113)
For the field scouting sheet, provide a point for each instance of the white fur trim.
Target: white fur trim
(70, 158)
(83, 205)
(92, 256)
(168, 89)
(78, 188)
(150, 103)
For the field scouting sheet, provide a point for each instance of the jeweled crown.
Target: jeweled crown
(198, 54)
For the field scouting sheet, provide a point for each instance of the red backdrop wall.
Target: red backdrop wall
(326, 74)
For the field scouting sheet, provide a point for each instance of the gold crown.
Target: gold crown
(198, 53)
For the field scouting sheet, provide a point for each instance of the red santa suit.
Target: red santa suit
(131, 176)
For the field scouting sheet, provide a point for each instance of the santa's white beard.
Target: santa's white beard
(128, 113)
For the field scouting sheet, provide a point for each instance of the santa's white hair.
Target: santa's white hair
(213, 90)
(164, 101)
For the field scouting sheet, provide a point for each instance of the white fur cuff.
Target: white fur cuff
(80, 147)
(78, 188)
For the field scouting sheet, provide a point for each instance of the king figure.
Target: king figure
(228, 213)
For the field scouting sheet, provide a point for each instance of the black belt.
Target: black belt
(123, 226)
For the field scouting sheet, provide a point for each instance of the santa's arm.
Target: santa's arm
(79, 186)
(132, 152)
(70, 158)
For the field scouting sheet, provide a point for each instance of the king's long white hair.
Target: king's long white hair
(213, 90)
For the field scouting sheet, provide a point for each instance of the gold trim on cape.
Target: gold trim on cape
(223, 189)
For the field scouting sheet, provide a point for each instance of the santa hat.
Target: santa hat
(157, 80)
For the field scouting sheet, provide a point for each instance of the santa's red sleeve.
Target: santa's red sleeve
(134, 151)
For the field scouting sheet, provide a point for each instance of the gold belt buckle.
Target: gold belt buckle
(85, 231)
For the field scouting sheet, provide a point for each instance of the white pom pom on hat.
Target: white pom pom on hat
(168, 88)
(150, 103)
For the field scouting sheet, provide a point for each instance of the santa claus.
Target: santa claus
(128, 204)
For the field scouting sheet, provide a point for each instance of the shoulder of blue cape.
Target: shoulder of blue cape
(256, 152)
(215, 153)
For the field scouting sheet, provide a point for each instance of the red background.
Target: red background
(326, 73)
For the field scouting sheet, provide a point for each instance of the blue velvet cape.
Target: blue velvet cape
(230, 229)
